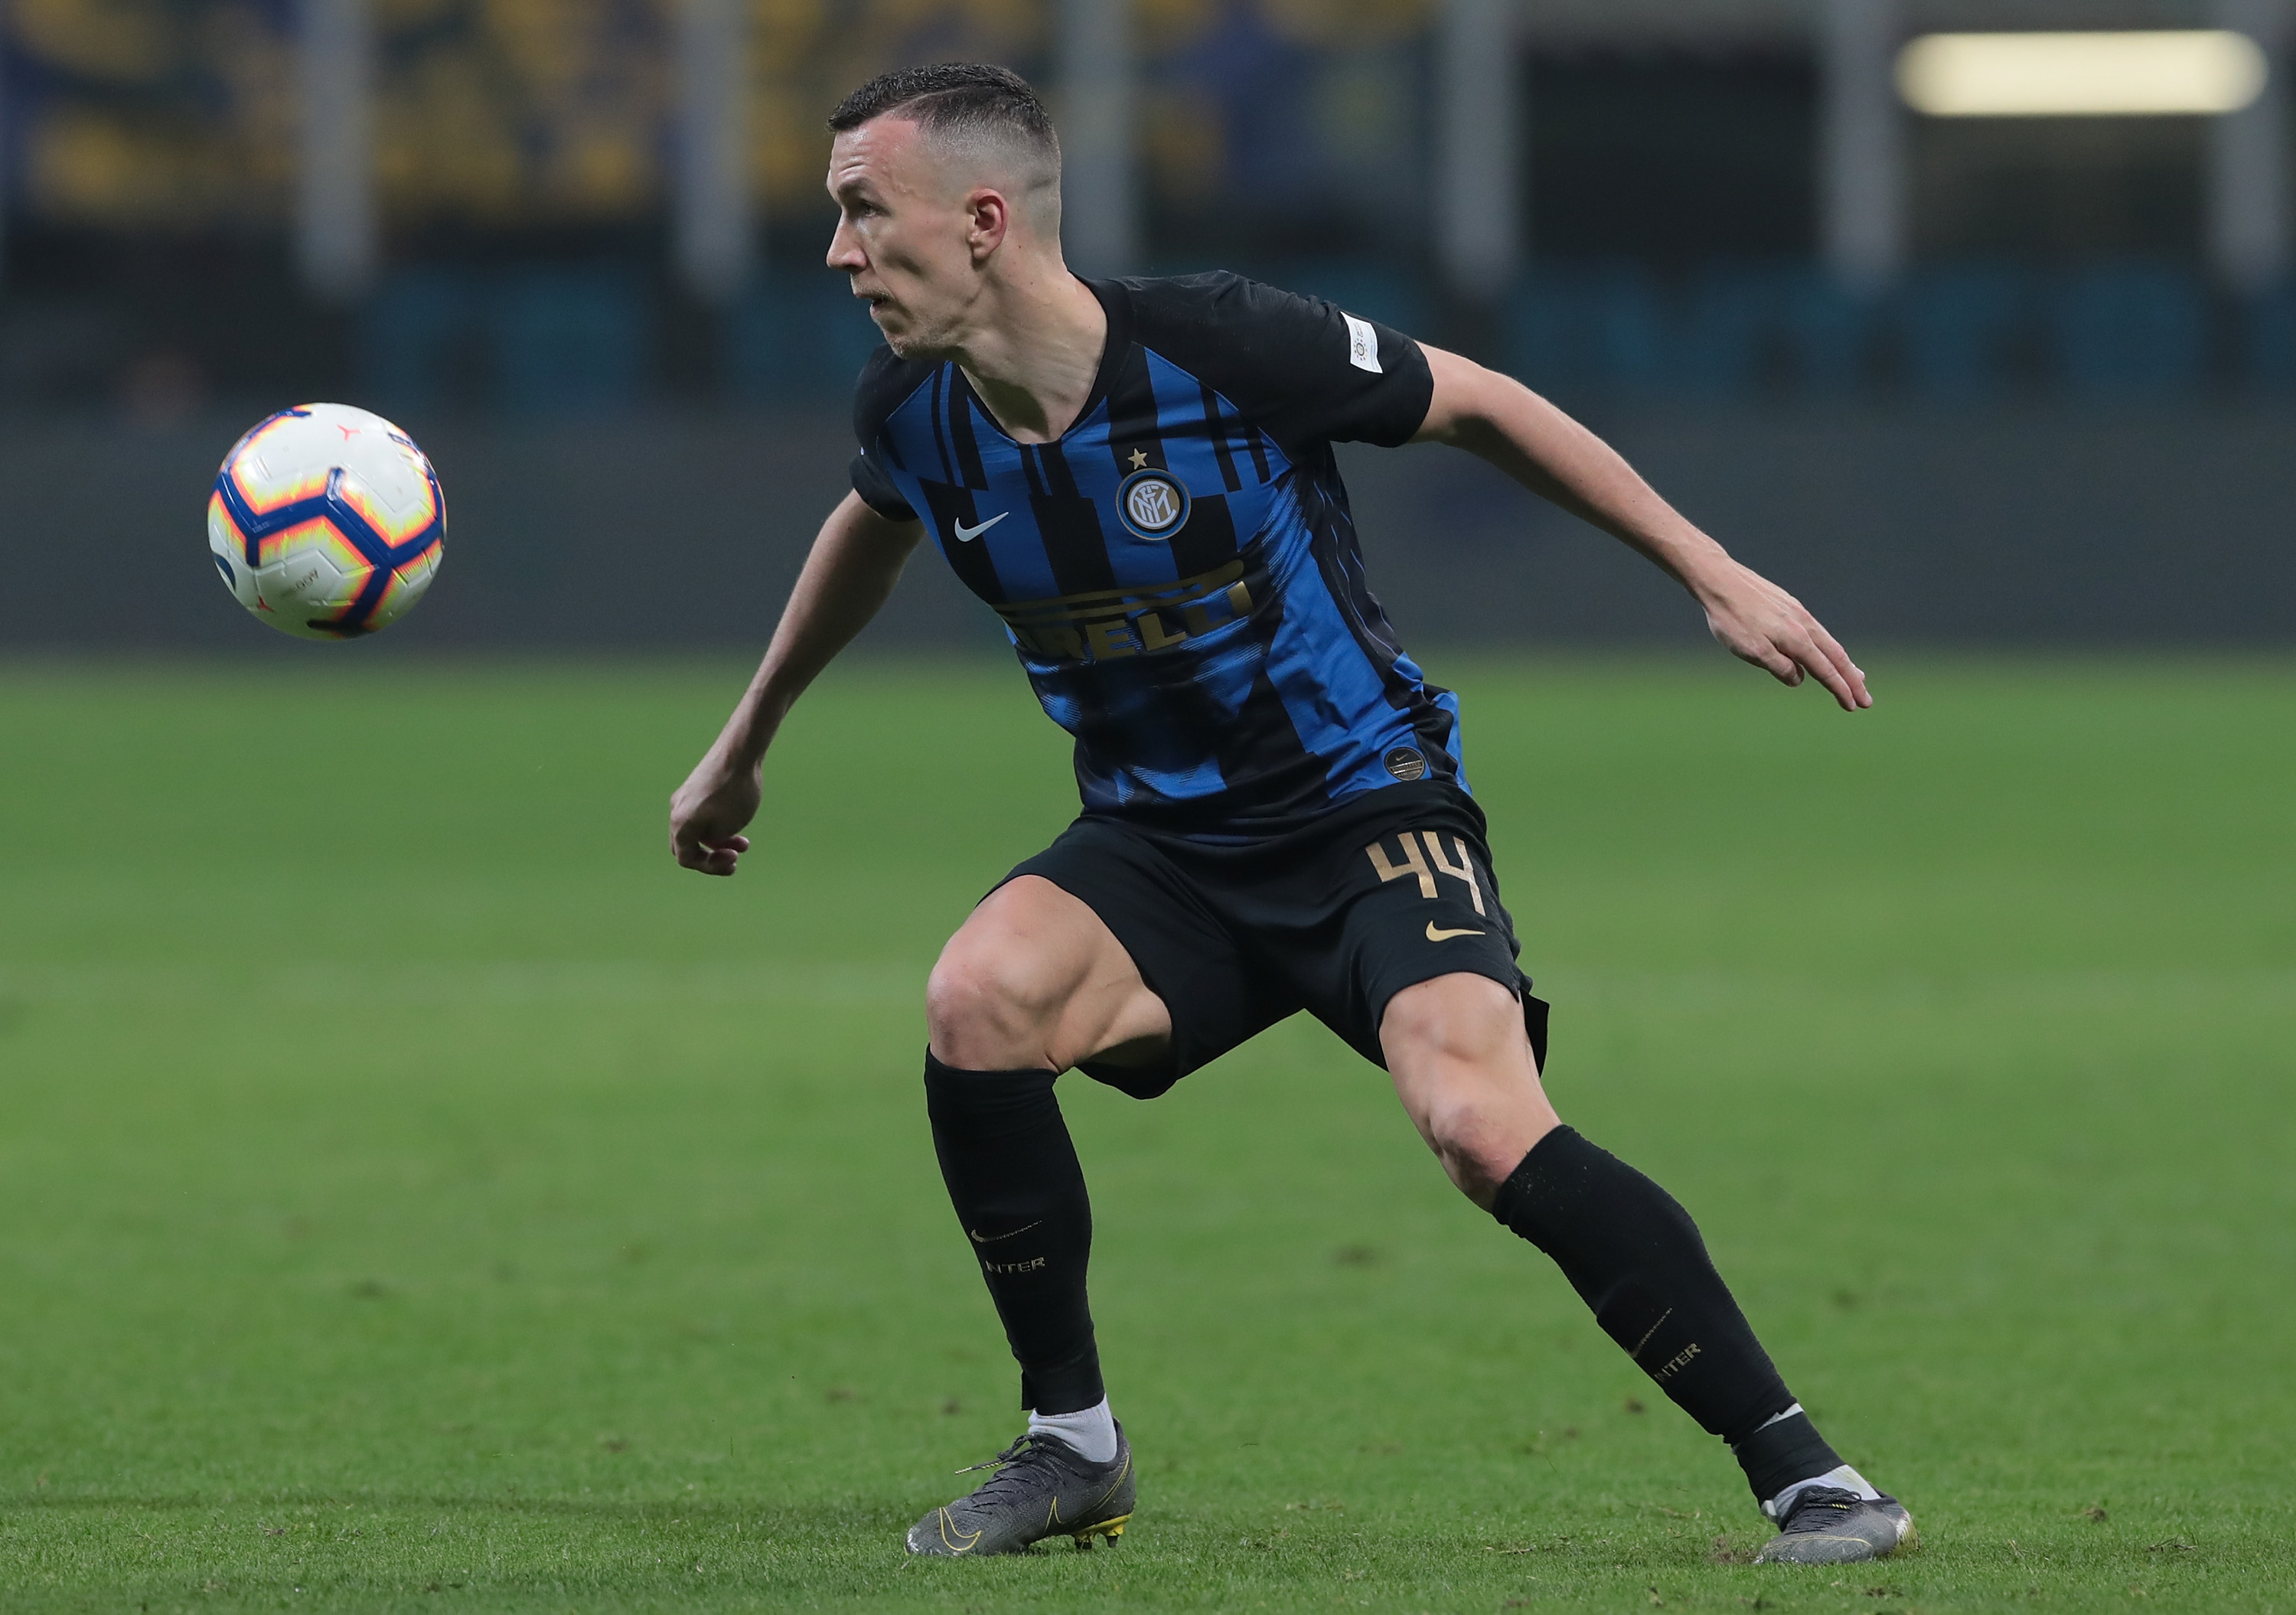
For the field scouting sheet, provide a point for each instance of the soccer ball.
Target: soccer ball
(326, 521)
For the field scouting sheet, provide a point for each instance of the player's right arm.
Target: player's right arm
(855, 563)
(1499, 419)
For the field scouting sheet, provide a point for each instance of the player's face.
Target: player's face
(904, 234)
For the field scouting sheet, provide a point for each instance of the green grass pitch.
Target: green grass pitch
(417, 1194)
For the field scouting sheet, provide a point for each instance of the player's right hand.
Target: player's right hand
(707, 813)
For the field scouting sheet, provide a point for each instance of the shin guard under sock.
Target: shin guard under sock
(1634, 1257)
(1019, 1192)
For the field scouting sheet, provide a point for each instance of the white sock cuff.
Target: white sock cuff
(1091, 1431)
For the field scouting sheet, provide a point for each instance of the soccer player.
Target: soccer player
(1137, 476)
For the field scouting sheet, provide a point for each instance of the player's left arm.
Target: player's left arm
(1499, 419)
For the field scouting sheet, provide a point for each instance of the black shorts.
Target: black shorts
(1381, 893)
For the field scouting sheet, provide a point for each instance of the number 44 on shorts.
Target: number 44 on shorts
(1412, 864)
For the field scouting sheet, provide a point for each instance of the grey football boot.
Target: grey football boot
(1042, 1488)
(1829, 1525)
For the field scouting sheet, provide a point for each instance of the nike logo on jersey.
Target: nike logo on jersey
(967, 535)
(990, 1239)
(1433, 935)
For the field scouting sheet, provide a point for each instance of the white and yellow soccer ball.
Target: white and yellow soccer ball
(326, 521)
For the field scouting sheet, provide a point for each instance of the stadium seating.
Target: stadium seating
(531, 340)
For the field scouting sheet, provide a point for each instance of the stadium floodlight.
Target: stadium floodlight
(2139, 73)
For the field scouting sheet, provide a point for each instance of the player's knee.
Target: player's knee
(1463, 1066)
(1481, 1133)
(987, 1008)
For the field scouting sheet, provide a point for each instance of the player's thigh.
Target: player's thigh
(1166, 914)
(1035, 978)
(1397, 903)
(1424, 982)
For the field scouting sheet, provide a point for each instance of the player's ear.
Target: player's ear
(989, 220)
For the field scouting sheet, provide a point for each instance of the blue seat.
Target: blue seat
(568, 341)
(793, 340)
(1598, 329)
(410, 335)
(2129, 329)
(1957, 325)
(1626, 329)
(1540, 334)
(1828, 328)
(1791, 326)
(1731, 316)
(2268, 340)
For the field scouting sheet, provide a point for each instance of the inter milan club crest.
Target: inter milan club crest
(1154, 503)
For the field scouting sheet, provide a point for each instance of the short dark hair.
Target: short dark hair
(955, 99)
(972, 107)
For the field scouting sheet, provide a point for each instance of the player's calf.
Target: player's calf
(1020, 1196)
(1636, 1259)
(1463, 1066)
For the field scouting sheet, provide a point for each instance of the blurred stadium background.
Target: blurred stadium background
(1991, 378)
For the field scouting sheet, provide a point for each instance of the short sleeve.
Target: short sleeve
(1303, 369)
(877, 490)
(883, 382)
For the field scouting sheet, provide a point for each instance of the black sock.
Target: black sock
(1780, 1453)
(1019, 1192)
(1634, 1257)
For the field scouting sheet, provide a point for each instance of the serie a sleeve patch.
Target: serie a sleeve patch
(1362, 345)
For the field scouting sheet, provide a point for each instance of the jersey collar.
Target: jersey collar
(1116, 303)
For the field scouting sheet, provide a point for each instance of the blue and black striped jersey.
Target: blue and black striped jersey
(1179, 573)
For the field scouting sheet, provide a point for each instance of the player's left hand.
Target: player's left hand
(707, 813)
(1759, 622)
